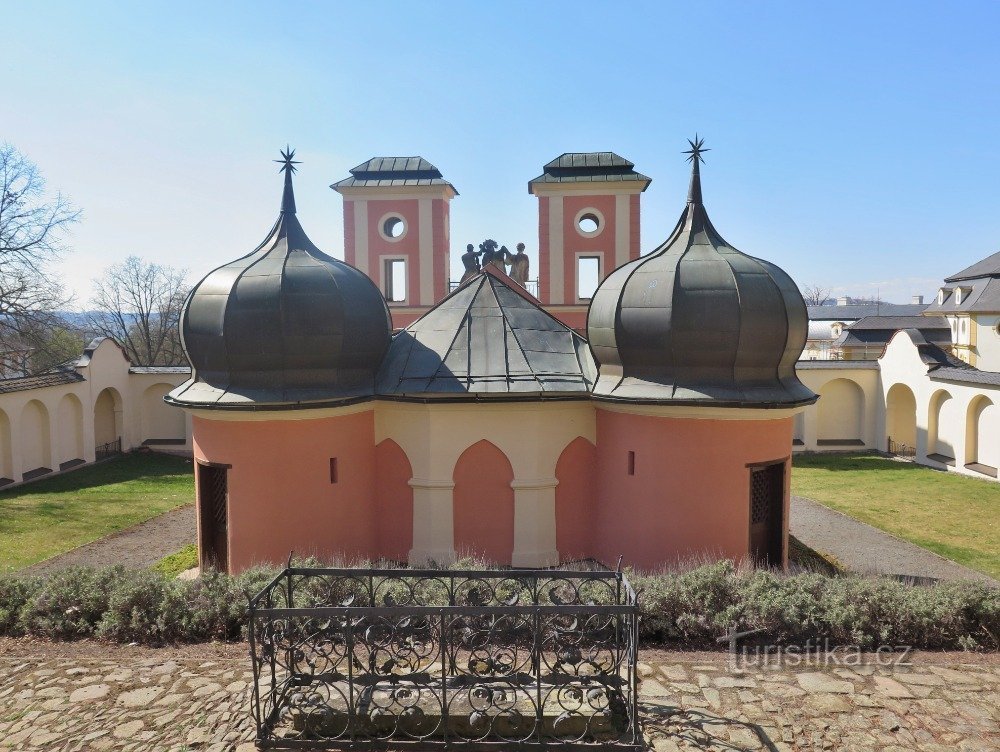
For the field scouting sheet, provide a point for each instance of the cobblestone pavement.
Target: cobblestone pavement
(139, 546)
(866, 549)
(168, 700)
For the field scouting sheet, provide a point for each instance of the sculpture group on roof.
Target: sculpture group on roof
(516, 265)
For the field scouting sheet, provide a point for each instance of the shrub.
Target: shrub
(135, 608)
(688, 608)
(14, 594)
(70, 603)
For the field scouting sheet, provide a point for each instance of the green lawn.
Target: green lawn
(57, 514)
(955, 516)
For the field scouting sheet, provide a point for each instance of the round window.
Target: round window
(393, 227)
(589, 222)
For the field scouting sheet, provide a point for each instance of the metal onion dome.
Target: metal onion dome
(697, 322)
(284, 326)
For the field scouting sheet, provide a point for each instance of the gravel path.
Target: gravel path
(138, 546)
(863, 548)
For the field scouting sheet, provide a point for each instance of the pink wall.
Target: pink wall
(440, 213)
(409, 246)
(350, 237)
(576, 473)
(393, 501)
(280, 495)
(573, 242)
(484, 503)
(689, 495)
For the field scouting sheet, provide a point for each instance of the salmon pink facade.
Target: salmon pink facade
(488, 425)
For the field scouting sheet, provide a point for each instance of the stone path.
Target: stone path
(139, 546)
(866, 549)
(169, 699)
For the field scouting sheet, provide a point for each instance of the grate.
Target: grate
(216, 488)
(761, 493)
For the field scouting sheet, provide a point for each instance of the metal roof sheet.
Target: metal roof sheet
(382, 172)
(590, 167)
(900, 322)
(965, 375)
(487, 339)
(988, 267)
(855, 311)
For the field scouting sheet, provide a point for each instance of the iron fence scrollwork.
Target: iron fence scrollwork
(350, 658)
(106, 451)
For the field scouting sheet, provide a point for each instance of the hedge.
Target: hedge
(687, 609)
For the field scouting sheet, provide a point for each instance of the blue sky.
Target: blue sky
(854, 144)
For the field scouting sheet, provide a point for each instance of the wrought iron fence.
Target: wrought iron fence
(900, 449)
(348, 658)
(111, 449)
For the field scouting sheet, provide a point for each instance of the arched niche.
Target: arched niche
(576, 473)
(941, 426)
(161, 422)
(982, 448)
(901, 419)
(484, 503)
(6, 456)
(36, 447)
(841, 413)
(69, 425)
(393, 501)
(107, 417)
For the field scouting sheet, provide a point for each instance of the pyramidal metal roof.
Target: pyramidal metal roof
(590, 167)
(393, 171)
(489, 339)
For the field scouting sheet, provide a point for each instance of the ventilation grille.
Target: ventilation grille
(762, 490)
(216, 489)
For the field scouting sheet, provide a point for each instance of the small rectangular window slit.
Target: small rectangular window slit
(333, 469)
(631, 463)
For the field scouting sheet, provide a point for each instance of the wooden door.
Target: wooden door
(767, 496)
(213, 501)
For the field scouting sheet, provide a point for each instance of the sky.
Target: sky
(854, 144)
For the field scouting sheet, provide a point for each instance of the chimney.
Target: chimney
(917, 300)
(843, 301)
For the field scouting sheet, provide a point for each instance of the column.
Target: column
(557, 277)
(535, 523)
(425, 241)
(433, 522)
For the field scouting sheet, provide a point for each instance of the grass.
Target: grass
(949, 514)
(178, 561)
(57, 514)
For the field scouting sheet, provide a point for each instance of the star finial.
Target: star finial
(696, 150)
(287, 160)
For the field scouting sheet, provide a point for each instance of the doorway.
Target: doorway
(213, 513)
(767, 497)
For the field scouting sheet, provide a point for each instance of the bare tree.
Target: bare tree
(139, 305)
(32, 230)
(815, 294)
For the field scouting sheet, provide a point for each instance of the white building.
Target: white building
(98, 405)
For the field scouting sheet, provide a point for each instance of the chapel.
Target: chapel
(362, 409)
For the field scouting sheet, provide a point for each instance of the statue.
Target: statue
(519, 265)
(470, 259)
(492, 255)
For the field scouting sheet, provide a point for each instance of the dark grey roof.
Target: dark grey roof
(855, 311)
(488, 339)
(980, 295)
(284, 326)
(988, 267)
(894, 323)
(393, 171)
(56, 377)
(821, 365)
(965, 375)
(697, 322)
(590, 167)
(159, 369)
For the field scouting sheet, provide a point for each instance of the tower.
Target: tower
(396, 216)
(588, 225)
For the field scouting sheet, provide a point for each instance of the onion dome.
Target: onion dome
(285, 326)
(697, 322)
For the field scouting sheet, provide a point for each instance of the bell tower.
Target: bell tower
(396, 230)
(588, 225)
